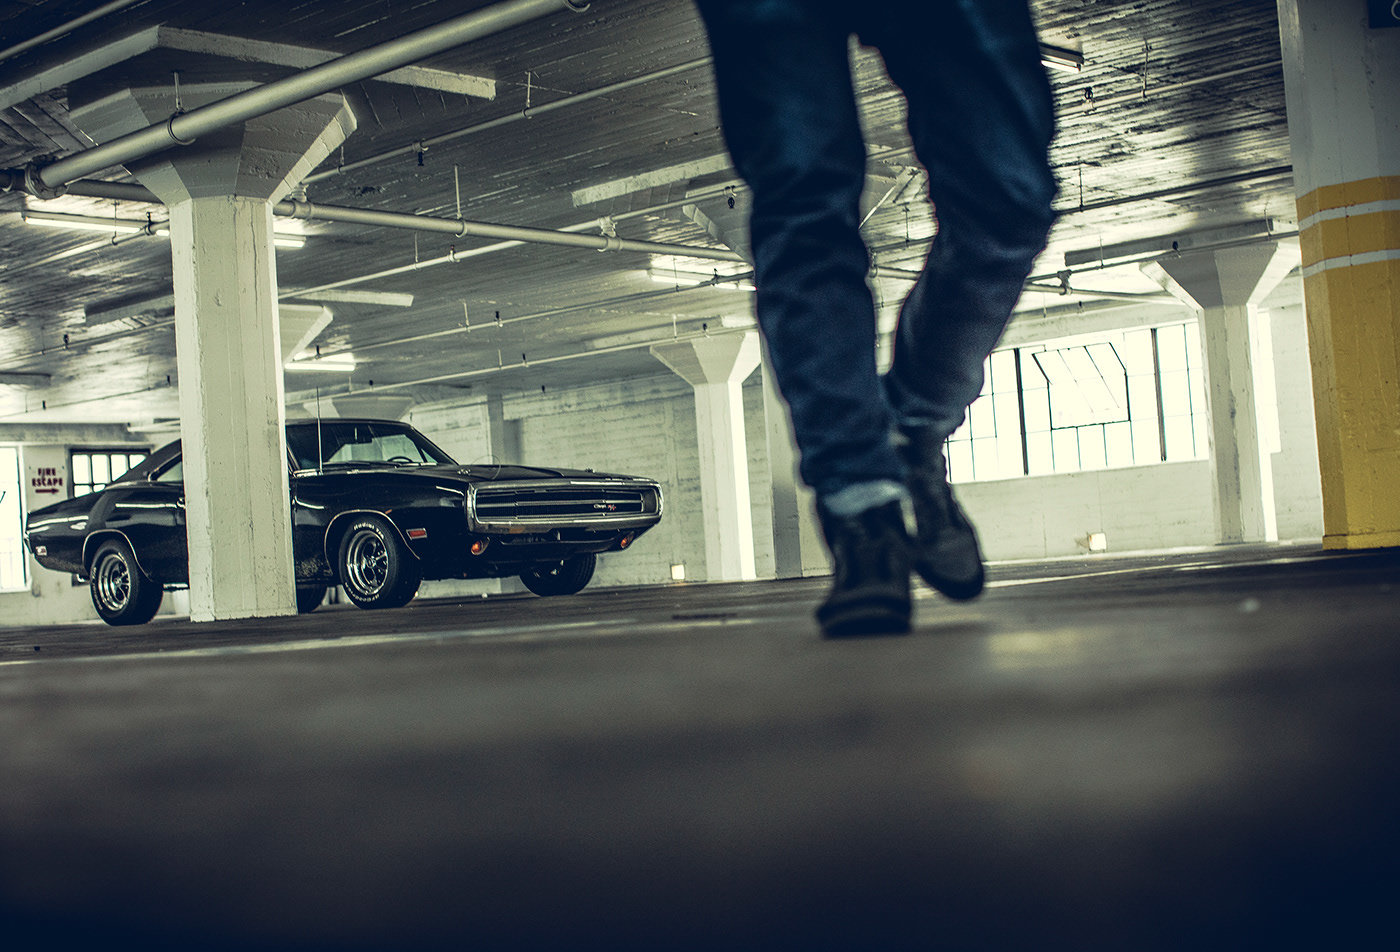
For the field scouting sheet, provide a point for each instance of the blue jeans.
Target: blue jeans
(981, 120)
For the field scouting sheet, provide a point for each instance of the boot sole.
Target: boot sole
(961, 590)
(868, 616)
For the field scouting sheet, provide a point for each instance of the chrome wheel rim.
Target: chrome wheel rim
(113, 583)
(366, 562)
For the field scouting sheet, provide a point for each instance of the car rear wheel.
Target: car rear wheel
(121, 594)
(376, 568)
(309, 598)
(560, 578)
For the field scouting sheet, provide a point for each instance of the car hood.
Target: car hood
(479, 472)
(492, 472)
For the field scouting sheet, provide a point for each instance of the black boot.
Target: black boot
(870, 588)
(946, 554)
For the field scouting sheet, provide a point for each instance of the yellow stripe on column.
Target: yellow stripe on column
(1371, 233)
(1361, 192)
(1354, 339)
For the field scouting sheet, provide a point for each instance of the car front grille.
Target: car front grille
(529, 505)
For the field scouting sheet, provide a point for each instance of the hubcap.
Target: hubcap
(113, 582)
(366, 562)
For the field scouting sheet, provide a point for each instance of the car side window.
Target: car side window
(174, 473)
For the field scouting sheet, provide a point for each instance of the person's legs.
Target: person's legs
(981, 118)
(789, 115)
(790, 122)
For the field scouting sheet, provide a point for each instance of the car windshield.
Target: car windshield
(348, 443)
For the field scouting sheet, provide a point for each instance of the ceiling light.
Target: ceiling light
(128, 226)
(83, 222)
(331, 363)
(1057, 57)
(695, 279)
(384, 298)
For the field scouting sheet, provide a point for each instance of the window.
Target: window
(1127, 398)
(94, 469)
(14, 567)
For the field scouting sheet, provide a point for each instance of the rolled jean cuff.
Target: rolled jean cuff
(858, 497)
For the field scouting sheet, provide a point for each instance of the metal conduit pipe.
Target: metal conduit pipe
(455, 227)
(1159, 297)
(526, 113)
(536, 362)
(903, 274)
(461, 228)
(63, 28)
(552, 312)
(186, 127)
(126, 192)
(1153, 256)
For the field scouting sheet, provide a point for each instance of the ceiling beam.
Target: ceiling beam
(60, 71)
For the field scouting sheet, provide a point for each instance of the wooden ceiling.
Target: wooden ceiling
(1175, 123)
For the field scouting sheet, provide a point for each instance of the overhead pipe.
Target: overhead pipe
(525, 364)
(633, 298)
(526, 113)
(63, 28)
(185, 128)
(461, 228)
(903, 274)
(454, 227)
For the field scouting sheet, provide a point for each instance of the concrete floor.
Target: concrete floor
(1197, 750)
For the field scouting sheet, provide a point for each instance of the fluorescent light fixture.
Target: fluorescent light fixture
(128, 226)
(1057, 57)
(350, 296)
(678, 572)
(83, 222)
(331, 364)
(695, 279)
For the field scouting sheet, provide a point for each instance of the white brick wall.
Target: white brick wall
(1147, 507)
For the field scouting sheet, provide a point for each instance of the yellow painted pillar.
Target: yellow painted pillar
(1341, 76)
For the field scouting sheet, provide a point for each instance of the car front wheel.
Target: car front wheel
(121, 594)
(560, 578)
(376, 569)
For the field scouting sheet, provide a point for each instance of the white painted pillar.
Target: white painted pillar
(231, 408)
(219, 193)
(716, 367)
(1225, 287)
(791, 498)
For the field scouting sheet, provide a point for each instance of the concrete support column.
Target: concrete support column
(1340, 70)
(716, 367)
(504, 434)
(790, 497)
(231, 408)
(219, 193)
(1225, 287)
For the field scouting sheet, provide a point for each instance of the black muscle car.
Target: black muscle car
(376, 508)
